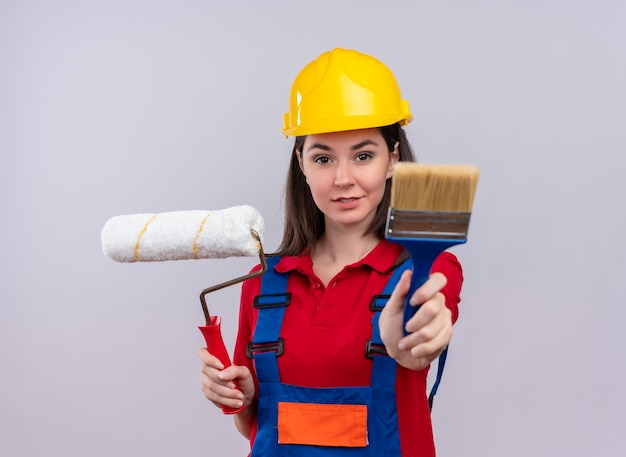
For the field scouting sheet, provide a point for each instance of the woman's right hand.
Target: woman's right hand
(218, 382)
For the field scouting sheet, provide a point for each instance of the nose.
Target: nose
(343, 175)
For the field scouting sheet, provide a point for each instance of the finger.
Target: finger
(432, 348)
(430, 344)
(209, 359)
(428, 322)
(219, 391)
(434, 284)
(213, 376)
(427, 313)
(212, 367)
(217, 386)
(230, 374)
(222, 395)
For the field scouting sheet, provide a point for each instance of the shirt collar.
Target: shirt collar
(381, 259)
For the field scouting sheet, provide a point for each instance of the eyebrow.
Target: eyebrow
(321, 146)
(363, 143)
(356, 147)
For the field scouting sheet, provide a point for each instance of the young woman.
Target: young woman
(320, 369)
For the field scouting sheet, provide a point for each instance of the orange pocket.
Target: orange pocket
(322, 425)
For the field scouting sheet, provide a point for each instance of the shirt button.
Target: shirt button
(316, 285)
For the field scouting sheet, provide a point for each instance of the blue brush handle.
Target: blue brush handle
(423, 253)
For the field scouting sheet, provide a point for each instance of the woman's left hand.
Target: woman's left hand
(429, 330)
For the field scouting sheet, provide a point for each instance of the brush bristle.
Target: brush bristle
(428, 187)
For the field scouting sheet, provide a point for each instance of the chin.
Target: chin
(350, 220)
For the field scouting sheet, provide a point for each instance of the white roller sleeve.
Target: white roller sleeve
(181, 235)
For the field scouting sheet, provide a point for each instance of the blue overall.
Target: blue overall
(382, 435)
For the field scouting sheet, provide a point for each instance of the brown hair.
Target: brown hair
(304, 222)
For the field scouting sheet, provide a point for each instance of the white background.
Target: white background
(120, 107)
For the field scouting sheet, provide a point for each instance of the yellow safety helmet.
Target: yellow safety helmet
(344, 90)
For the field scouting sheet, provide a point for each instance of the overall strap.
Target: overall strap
(384, 367)
(266, 343)
(381, 370)
(383, 423)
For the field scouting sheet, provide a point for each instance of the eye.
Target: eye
(322, 160)
(363, 156)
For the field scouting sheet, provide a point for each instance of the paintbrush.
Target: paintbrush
(430, 212)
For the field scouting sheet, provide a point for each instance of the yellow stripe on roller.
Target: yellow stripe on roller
(195, 240)
(143, 230)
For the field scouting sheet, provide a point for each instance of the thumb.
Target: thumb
(398, 296)
(391, 318)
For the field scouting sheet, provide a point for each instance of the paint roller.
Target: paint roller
(186, 235)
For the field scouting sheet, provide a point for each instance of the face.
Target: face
(346, 172)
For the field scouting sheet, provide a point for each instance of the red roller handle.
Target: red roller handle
(215, 344)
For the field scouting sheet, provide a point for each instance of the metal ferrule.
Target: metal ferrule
(427, 224)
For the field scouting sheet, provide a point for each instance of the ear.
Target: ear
(394, 157)
(299, 157)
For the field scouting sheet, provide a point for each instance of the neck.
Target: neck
(338, 248)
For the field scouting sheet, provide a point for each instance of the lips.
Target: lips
(347, 203)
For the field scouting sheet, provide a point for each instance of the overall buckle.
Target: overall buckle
(376, 305)
(272, 300)
(273, 346)
(372, 349)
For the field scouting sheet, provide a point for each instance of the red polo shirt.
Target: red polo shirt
(325, 329)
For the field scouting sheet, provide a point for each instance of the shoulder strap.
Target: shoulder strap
(391, 284)
(440, 365)
(266, 343)
(384, 367)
